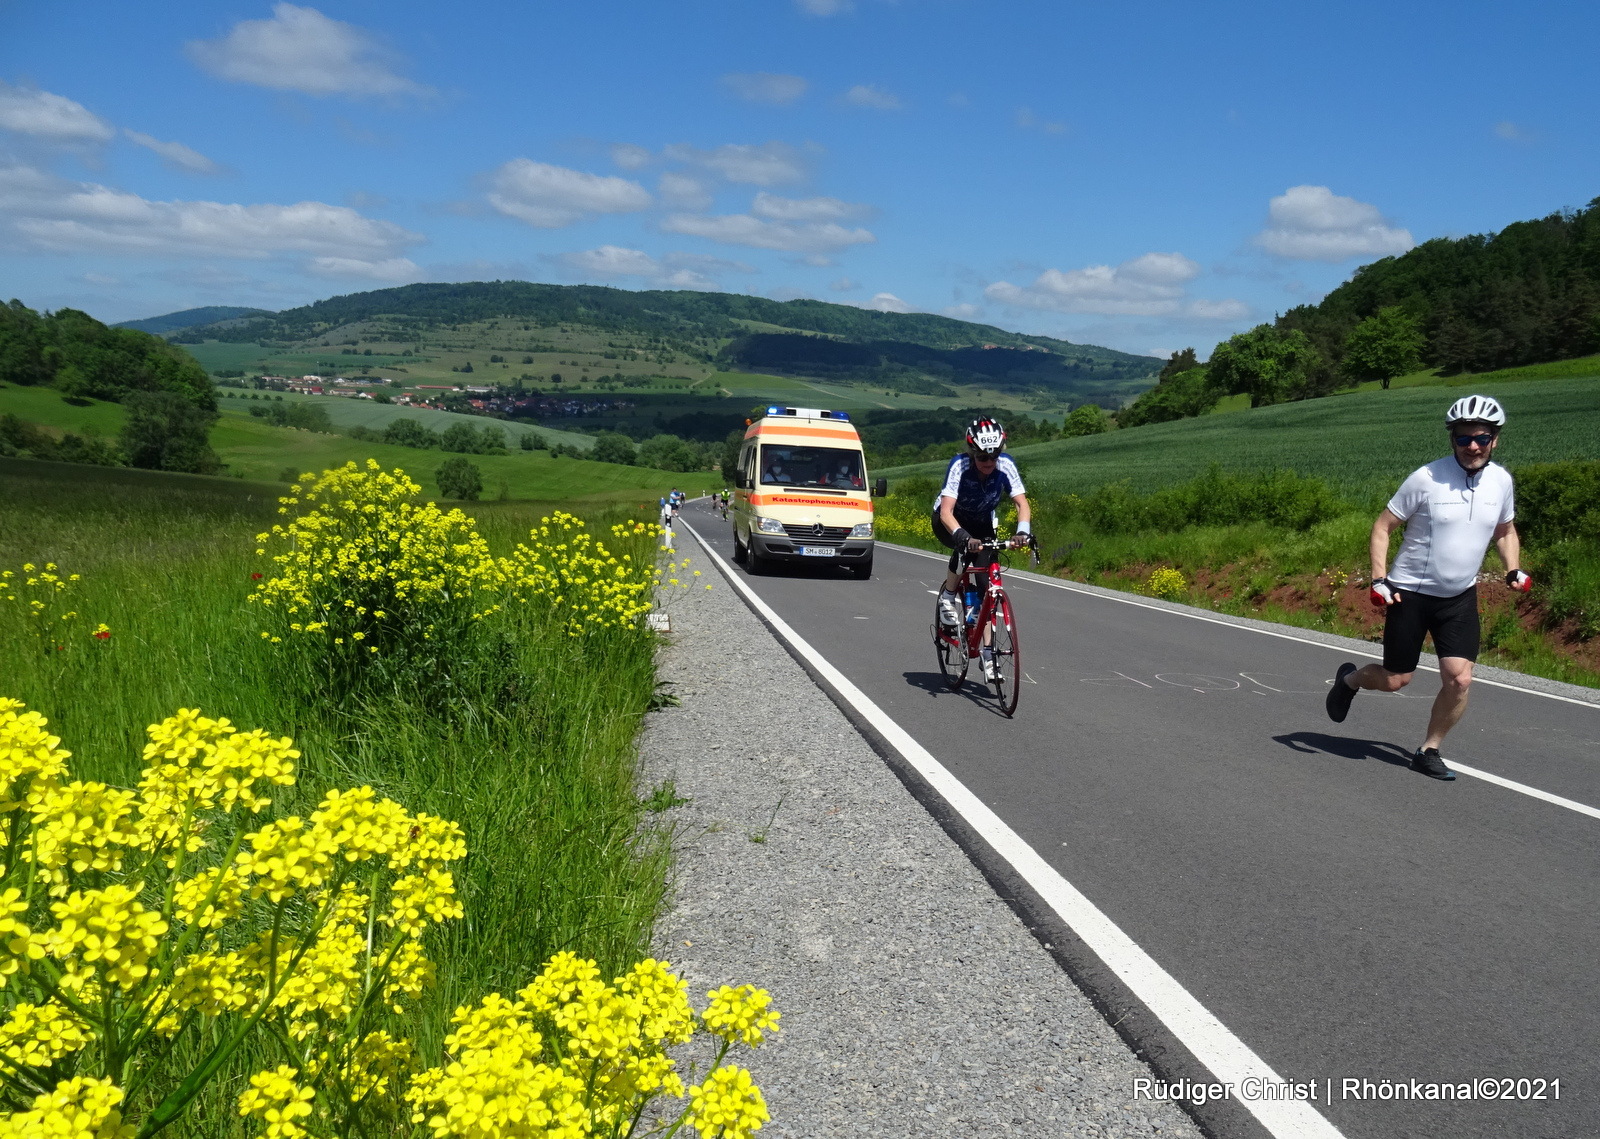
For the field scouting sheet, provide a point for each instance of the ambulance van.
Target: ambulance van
(800, 494)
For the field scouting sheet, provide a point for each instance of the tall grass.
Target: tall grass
(532, 749)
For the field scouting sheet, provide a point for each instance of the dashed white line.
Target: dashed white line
(1211, 1041)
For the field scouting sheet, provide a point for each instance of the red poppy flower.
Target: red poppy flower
(255, 577)
(102, 636)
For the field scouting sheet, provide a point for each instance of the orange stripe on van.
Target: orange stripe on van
(807, 500)
(813, 432)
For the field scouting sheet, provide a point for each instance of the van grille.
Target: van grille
(813, 535)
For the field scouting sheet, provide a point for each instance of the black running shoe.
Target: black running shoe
(1340, 694)
(1428, 762)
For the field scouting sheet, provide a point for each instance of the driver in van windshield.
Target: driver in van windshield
(777, 472)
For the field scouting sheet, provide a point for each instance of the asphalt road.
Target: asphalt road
(1342, 915)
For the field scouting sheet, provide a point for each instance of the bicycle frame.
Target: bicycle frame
(989, 584)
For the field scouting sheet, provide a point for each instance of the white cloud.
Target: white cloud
(683, 191)
(844, 285)
(55, 118)
(53, 214)
(1027, 120)
(774, 208)
(1511, 132)
(300, 49)
(816, 238)
(770, 164)
(824, 7)
(1312, 223)
(868, 95)
(390, 270)
(885, 302)
(1151, 285)
(103, 280)
(765, 87)
(672, 271)
(553, 196)
(630, 157)
(174, 154)
(963, 311)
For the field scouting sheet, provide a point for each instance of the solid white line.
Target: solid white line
(1497, 780)
(1074, 587)
(1511, 785)
(1212, 1043)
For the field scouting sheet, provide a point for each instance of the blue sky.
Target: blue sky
(1141, 175)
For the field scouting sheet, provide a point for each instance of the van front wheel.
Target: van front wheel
(740, 550)
(863, 569)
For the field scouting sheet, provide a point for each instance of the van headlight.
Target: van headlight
(769, 525)
(861, 530)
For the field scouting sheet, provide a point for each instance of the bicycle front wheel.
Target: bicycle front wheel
(1007, 680)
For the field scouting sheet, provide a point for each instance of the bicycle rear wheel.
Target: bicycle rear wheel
(952, 657)
(1007, 655)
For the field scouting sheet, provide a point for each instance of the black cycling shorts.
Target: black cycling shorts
(977, 529)
(1452, 621)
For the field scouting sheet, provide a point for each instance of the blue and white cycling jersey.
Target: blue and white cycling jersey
(976, 496)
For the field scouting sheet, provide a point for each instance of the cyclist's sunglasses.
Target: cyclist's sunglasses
(1482, 439)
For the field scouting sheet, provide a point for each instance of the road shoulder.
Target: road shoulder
(915, 1002)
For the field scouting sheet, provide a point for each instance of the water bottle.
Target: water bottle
(972, 605)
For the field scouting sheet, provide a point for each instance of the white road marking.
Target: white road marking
(1487, 777)
(1212, 1042)
(1073, 587)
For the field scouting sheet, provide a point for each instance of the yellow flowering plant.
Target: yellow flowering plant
(41, 596)
(183, 919)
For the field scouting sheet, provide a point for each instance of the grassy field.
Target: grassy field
(532, 751)
(255, 450)
(1359, 442)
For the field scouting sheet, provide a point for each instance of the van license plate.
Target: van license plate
(818, 551)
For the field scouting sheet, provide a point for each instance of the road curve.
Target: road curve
(1345, 917)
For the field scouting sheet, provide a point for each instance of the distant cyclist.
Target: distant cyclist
(1451, 510)
(964, 511)
(675, 500)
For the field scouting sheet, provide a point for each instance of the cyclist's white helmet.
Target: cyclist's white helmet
(1476, 408)
(985, 437)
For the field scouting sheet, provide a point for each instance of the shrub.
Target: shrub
(458, 478)
(1215, 498)
(1166, 582)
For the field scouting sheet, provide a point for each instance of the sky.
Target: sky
(1146, 176)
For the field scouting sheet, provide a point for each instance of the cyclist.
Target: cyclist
(1451, 510)
(964, 512)
(675, 500)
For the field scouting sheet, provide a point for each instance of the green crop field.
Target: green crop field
(253, 449)
(1356, 441)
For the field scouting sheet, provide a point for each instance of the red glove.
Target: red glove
(1383, 594)
(1519, 581)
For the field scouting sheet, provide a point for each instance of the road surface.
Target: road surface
(1344, 917)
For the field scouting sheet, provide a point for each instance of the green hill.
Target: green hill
(1362, 441)
(189, 317)
(1529, 293)
(683, 334)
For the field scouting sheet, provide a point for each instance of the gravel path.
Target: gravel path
(914, 1002)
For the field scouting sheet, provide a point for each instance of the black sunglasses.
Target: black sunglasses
(1482, 439)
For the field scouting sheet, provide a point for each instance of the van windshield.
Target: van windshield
(833, 467)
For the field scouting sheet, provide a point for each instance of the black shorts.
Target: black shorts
(1453, 622)
(976, 529)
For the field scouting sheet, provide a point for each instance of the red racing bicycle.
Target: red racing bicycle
(988, 631)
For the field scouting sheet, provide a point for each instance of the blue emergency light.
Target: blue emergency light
(808, 412)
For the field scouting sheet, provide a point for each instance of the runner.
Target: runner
(964, 512)
(1451, 510)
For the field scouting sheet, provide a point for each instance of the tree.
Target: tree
(409, 433)
(462, 438)
(731, 446)
(1090, 419)
(492, 441)
(457, 478)
(1181, 362)
(669, 453)
(611, 447)
(165, 432)
(1387, 344)
(1179, 397)
(1268, 364)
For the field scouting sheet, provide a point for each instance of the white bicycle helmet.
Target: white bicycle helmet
(985, 437)
(1475, 408)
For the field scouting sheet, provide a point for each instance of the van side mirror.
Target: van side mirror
(880, 487)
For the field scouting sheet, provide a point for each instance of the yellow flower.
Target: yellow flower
(107, 929)
(275, 1099)
(80, 1108)
(728, 1105)
(740, 1014)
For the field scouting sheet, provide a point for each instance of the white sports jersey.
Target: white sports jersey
(1450, 519)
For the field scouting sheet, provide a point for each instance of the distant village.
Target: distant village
(482, 398)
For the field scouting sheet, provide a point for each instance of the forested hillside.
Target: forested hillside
(190, 317)
(1526, 294)
(74, 352)
(911, 351)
